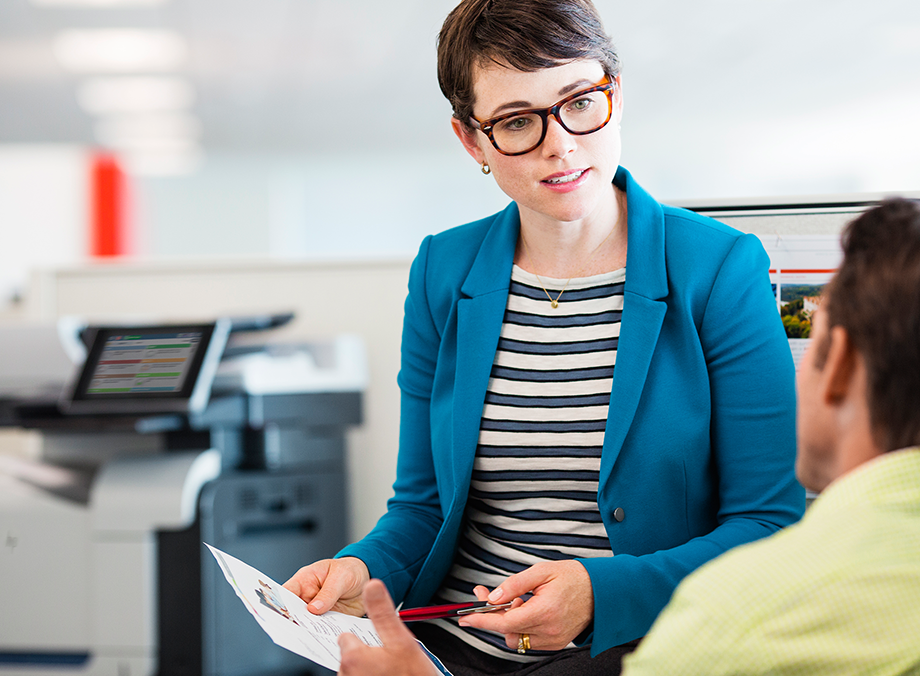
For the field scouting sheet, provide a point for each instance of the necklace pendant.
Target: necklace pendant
(554, 303)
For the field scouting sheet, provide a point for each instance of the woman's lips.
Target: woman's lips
(568, 180)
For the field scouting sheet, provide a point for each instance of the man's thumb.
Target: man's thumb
(380, 609)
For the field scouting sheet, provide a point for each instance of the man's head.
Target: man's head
(859, 383)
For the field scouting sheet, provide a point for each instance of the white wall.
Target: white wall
(44, 212)
(337, 206)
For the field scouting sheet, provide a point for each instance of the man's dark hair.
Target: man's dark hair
(875, 297)
(525, 34)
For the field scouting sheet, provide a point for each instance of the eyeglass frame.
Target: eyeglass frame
(486, 126)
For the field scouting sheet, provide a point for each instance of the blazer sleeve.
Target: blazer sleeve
(752, 448)
(396, 548)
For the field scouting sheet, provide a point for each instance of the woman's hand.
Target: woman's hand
(400, 655)
(561, 608)
(331, 584)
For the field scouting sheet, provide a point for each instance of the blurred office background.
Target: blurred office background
(315, 128)
(307, 131)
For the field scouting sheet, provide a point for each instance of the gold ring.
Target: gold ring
(523, 643)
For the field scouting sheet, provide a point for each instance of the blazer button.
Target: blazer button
(619, 514)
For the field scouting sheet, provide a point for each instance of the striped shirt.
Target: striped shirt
(533, 494)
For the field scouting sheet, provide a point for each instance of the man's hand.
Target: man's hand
(400, 655)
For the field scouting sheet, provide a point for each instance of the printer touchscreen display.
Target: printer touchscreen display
(144, 362)
(148, 369)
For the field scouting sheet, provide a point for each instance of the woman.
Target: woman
(597, 393)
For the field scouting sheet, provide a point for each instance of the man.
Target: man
(838, 593)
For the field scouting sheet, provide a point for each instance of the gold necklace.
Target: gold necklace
(555, 303)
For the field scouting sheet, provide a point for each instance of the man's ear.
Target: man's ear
(468, 138)
(840, 368)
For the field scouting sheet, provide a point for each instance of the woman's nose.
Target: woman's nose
(558, 141)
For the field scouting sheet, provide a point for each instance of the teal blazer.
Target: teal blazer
(699, 448)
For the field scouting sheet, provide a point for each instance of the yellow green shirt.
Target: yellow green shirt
(837, 593)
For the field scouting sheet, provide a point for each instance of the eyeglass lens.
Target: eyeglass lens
(581, 115)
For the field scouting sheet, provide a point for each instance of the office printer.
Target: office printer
(164, 436)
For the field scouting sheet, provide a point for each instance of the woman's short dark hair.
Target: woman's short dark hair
(525, 34)
(875, 297)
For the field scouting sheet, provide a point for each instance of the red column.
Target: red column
(107, 207)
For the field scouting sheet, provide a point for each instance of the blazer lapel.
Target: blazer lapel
(643, 314)
(480, 313)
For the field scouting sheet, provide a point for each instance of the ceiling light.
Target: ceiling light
(162, 163)
(96, 3)
(101, 96)
(119, 50)
(153, 144)
(157, 148)
(146, 131)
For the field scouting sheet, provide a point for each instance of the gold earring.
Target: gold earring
(486, 169)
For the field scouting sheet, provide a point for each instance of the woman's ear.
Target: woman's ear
(468, 138)
(618, 97)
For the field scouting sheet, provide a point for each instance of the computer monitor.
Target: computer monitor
(148, 369)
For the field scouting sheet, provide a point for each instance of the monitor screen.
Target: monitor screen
(146, 368)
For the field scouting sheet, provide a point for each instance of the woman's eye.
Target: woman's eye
(515, 124)
(580, 105)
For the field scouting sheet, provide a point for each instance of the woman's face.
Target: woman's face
(567, 178)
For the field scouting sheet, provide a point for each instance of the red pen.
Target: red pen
(449, 610)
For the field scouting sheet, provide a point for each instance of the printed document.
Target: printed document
(285, 618)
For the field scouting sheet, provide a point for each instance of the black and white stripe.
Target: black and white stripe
(533, 495)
